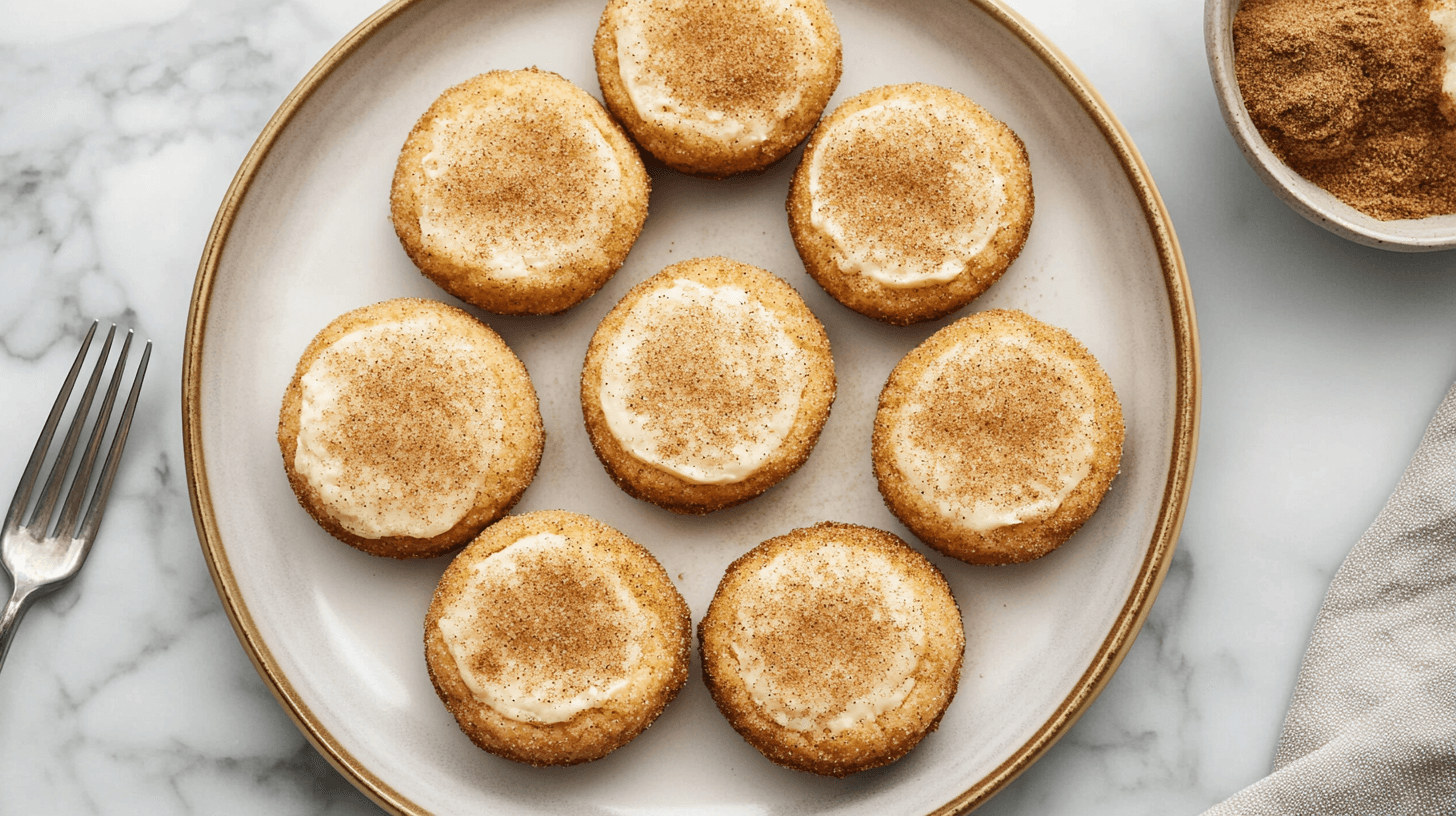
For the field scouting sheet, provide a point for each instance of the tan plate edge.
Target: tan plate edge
(1114, 647)
(1185, 434)
(202, 511)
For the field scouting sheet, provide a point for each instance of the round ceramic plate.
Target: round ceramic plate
(304, 235)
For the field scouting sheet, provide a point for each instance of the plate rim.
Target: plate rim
(1115, 646)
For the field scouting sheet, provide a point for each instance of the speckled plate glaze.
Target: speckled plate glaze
(304, 235)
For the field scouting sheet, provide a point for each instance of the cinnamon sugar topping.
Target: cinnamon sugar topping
(906, 191)
(542, 633)
(829, 638)
(399, 423)
(1000, 431)
(701, 66)
(513, 181)
(702, 382)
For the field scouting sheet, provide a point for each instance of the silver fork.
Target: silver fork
(39, 563)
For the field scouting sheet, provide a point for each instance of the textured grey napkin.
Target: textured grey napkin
(1372, 727)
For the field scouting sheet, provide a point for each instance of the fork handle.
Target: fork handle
(20, 598)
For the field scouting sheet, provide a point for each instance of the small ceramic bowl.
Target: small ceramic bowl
(1307, 198)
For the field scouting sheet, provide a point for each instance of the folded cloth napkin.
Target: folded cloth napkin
(1372, 727)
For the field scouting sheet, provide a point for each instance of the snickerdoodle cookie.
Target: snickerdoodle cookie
(909, 202)
(516, 192)
(706, 385)
(408, 427)
(997, 438)
(555, 639)
(719, 88)
(832, 649)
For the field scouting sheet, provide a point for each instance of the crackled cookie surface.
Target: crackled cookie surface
(707, 384)
(832, 649)
(554, 639)
(909, 202)
(407, 427)
(516, 192)
(715, 89)
(997, 438)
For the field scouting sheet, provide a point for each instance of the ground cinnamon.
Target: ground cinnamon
(1348, 94)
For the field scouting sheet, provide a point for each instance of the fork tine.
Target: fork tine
(65, 525)
(46, 504)
(37, 456)
(92, 521)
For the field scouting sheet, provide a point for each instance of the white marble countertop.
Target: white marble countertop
(121, 124)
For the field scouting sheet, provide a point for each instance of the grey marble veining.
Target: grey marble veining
(120, 130)
(121, 125)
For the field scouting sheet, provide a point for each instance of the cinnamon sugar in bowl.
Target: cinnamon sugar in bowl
(1374, 223)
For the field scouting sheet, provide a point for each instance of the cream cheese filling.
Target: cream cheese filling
(856, 243)
(702, 382)
(474, 150)
(806, 700)
(355, 430)
(970, 482)
(527, 691)
(657, 100)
